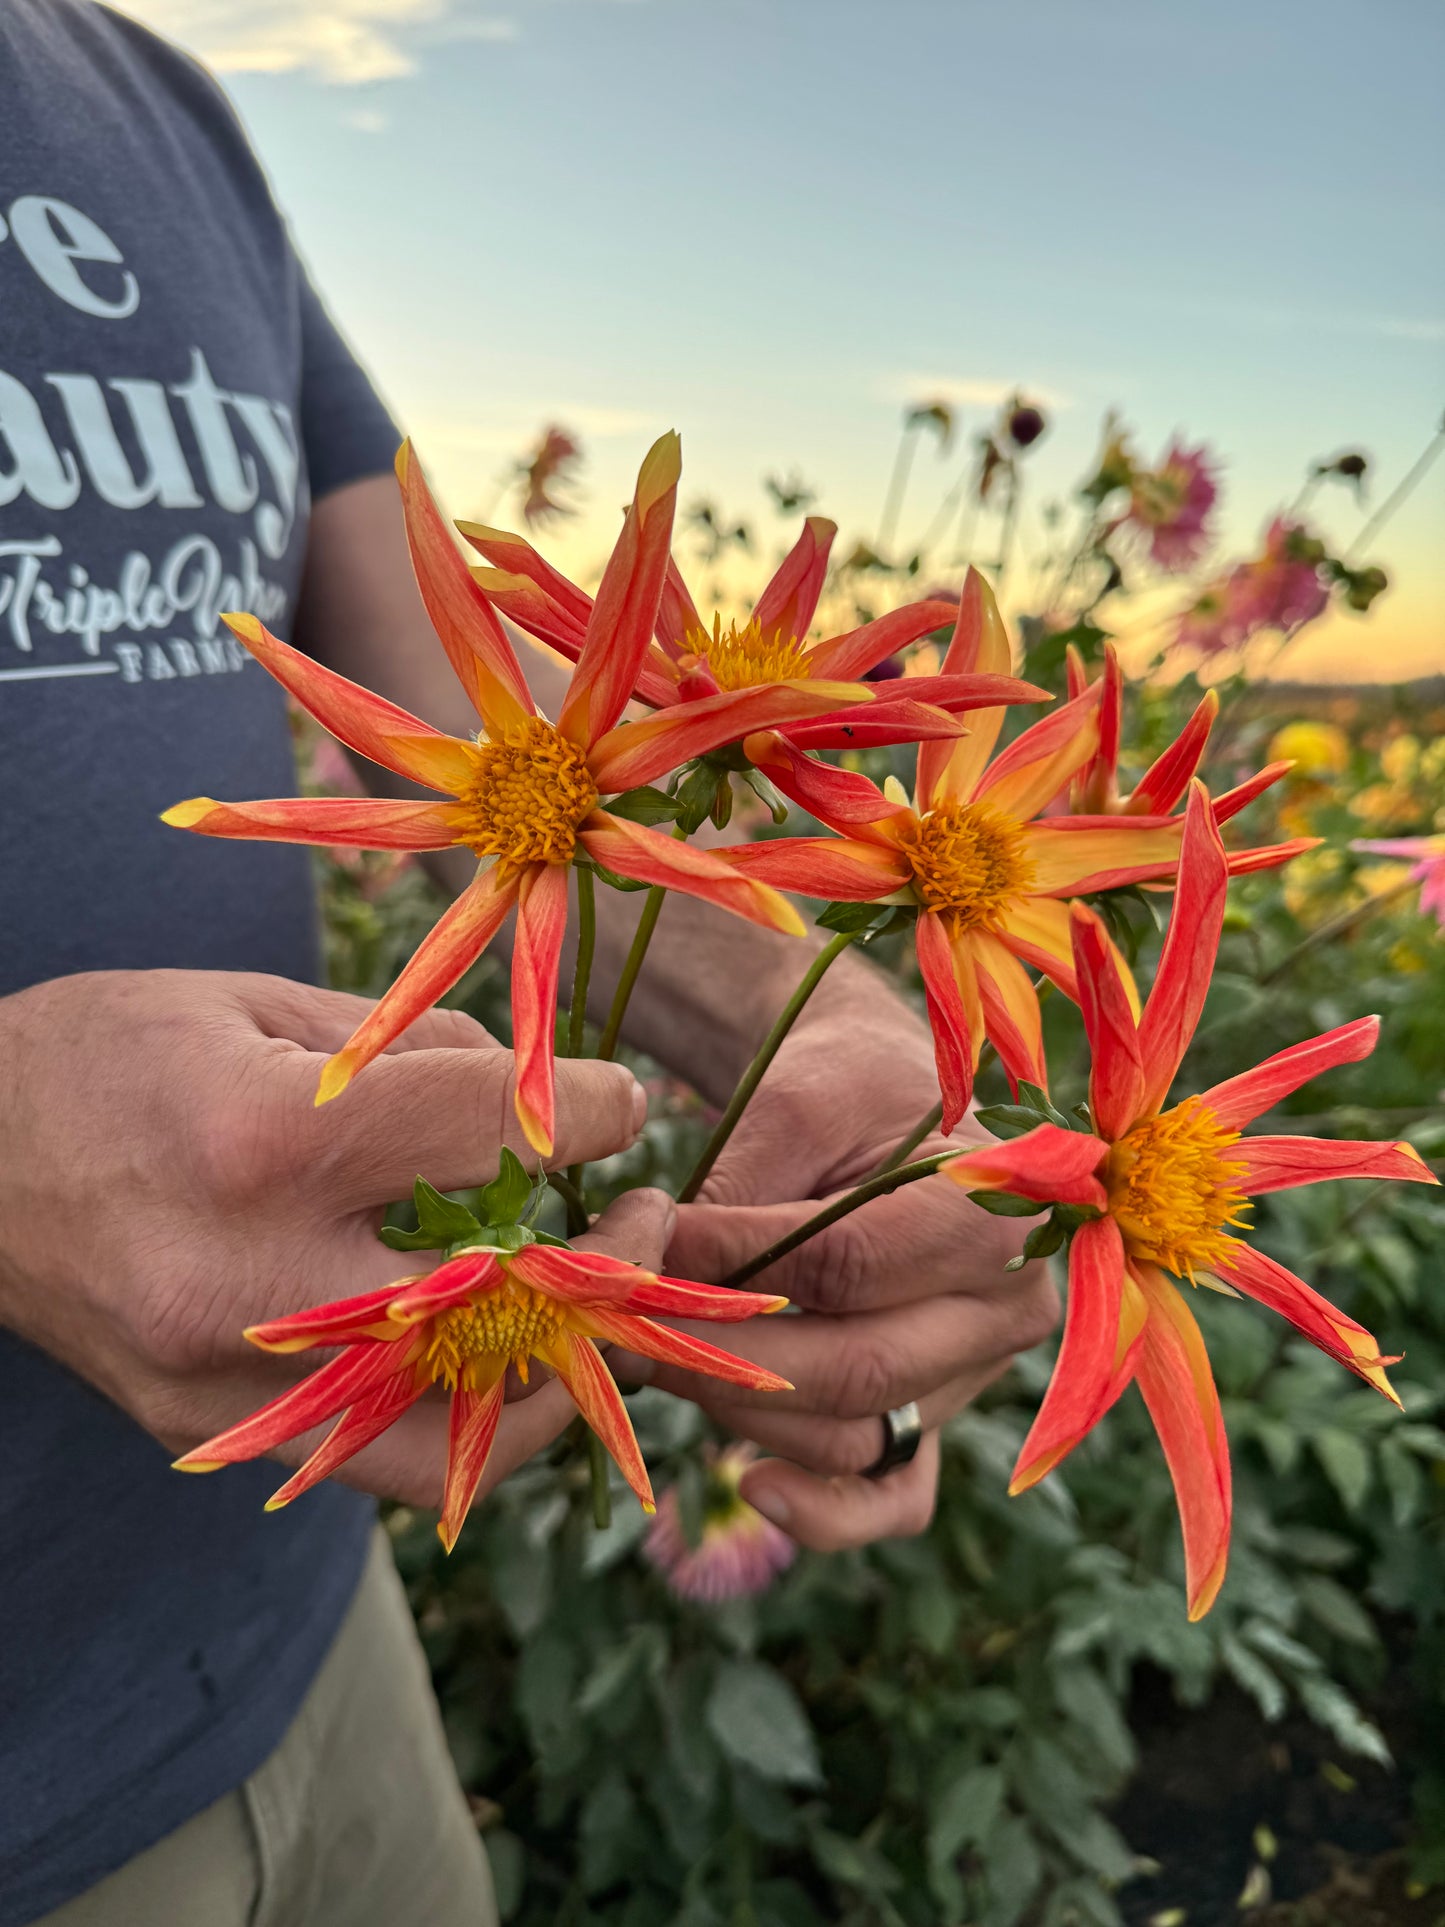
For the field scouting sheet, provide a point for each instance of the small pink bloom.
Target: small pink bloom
(1172, 503)
(1281, 589)
(1427, 853)
(740, 1551)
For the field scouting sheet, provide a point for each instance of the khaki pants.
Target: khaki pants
(356, 1820)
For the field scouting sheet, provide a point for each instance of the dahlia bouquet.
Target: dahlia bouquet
(1004, 862)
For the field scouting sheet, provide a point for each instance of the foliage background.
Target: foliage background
(939, 1732)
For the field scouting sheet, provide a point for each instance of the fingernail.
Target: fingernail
(639, 1106)
(771, 1503)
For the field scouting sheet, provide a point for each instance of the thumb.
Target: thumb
(636, 1226)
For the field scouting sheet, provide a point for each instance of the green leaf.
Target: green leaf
(964, 1812)
(444, 1222)
(1334, 1710)
(506, 1198)
(1036, 1099)
(1338, 1611)
(1250, 1672)
(646, 805)
(612, 879)
(1097, 1711)
(1346, 1461)
(397, 1240)
(1004, 1204)
(1014, 1868)
(508, 1859)
(759, 1722)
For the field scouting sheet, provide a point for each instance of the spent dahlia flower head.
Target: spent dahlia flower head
(739, 1551)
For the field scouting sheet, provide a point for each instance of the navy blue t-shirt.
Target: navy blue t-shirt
(172, 397)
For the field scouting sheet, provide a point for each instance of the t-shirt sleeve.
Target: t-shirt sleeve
(346, 430)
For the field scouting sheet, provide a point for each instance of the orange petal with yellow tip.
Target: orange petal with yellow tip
(1337, 1335)
(787, 605)
(678, 620)
(357, 1428)
(536, 960)
(476, 644)
(455, 1282)
(1040, 762)
(449, 949)
(846, 800)
(1280, 1163)
(515, 555)
(682, 1298)
(1116, 1078)
(1010, 1010)
(620, 626)
(592, 1278)
(632, 850)
(1186, 961)
(324, 1392)
(955, 1013)
(641, 752)
(475, 1417)
(886, 721)
(362, 823)
(1070, 857)
(366, 723)
(1173, 1374)
(1240, 1100)
(859, 650)
(950, 772)
(1089, 1374)
(1230, 802)
(1167, 778)
(578, 1363)
(836, 867)
(1048, 1164)
(342, 1322)
(670, 1347)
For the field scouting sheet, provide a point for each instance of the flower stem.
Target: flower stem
(1340, 926)
(767, 1051)
(572, 1194)
(876, 1187)
(601, 1482)
(907, 1146)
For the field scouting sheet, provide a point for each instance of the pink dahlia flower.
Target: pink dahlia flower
(740, 1551)
(1171, 503)
(1427, 854)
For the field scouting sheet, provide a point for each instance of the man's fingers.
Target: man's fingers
(860, 1366)
(446, 1114)
(926, 1237)
(835, 1447)
(635, 1226)
(833, 1514)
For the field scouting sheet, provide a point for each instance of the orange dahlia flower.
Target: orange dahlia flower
(689, 661)
(1167, 1190)
(989, 882)
(526, 798)
(487, 1307)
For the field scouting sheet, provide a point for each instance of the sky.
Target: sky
(773, 224)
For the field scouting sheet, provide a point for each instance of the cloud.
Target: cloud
(344, 42)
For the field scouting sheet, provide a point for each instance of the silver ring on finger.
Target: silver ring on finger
(902, 1436)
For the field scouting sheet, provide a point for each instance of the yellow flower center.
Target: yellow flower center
(476, 1342)
(1172, 1189)
(531, 790)
(968, 864)
(741, 658)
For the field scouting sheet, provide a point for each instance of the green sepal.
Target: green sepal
(766, 793)
(506, 1198)
(1037, 1100)
(722, 802)
(855, 919)
(397, 1240)
(1071, 1216)
(1007, 1204)
(646, 805)
(1042, 1242)
(695, 795)
(1008, 1120)
(610, 877)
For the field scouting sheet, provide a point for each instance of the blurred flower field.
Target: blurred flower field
(982, 1727)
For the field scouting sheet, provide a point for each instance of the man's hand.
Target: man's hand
(904, 1299)
(166, 1180)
